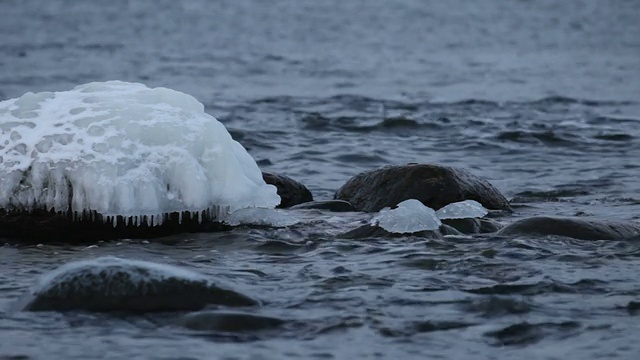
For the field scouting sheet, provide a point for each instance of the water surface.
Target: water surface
(540, 97)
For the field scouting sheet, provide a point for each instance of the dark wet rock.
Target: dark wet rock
(49, 227)
(291, 192)
(473, 225)
(374, 231)
(229, 322)
(434, 185)
(573, 227)
(331, 205)
(114, 284)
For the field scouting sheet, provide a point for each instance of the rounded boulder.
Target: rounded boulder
(433, 185)
(291, 192)
(115, 284)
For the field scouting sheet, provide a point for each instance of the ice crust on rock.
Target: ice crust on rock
(412, 216)
(111, 283)
(121, 148)
(81, 274)
(462, 210)
(260, 216)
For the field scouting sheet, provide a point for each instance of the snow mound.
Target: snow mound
(462, 210)
(410, 216)
(123, 149)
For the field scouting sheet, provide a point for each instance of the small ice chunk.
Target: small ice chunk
(261, 216)
(462, 210)
(410, 216)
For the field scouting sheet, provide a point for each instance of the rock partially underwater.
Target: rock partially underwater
(573, 227)
(123, 153)
(291, 192)
(433, 185)
(115, 284)
(413, 218)
(50, 227)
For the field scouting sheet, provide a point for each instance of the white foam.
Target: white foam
(462, 210)
(410, 216)
(257, 216)
(124, 149)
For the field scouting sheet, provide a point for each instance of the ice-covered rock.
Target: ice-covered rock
(410, 216)
(115, 284)
(413, 216)
(120, 148)
(462, 210)
(259, 216)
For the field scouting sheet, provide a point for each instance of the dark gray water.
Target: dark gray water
(540, 97)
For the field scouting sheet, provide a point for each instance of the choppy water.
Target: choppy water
(540, 97)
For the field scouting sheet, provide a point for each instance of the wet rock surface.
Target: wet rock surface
(373, 231)
(48, 227)
(291, 191)
(434, 185)
(113, 284)
(473, 225)
(573, 227)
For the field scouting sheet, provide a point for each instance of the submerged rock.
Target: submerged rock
(433, 185)
(115, 284)
(577, 228)
(473, 226)
(330, 205)
(374, 231)
(49, 227)
(291, 192)
(232, 322)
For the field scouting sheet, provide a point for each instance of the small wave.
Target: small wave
(553, 195)
(360, 159)
(615, 119)
(614, 137)
(569, 100)
(475, 102)
(546, 137)
(525, 333)
(417, 327)
(398, 122)
(585, 286)
(494, 306)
